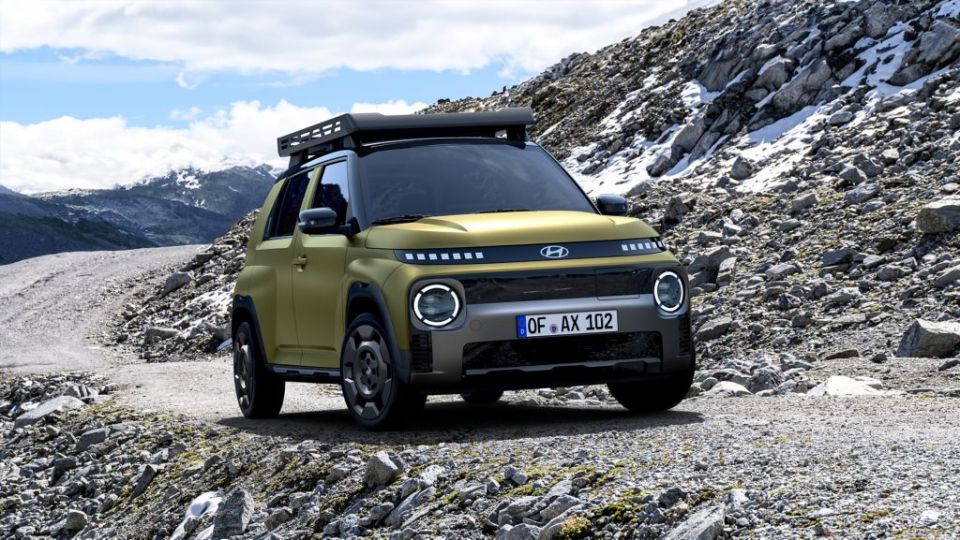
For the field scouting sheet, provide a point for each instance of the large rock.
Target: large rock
(51, 406)
(803, 89)
(706, 524)
(233, 515)
(714, 328)
(940, 216)
(177, 280)
(690, 133)
(381, 470)
(930, 339)
(741, 169)
(947, 277)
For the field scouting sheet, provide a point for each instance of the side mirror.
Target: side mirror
(612, 205)
(318, 221)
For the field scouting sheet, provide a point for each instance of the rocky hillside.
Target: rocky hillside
(184, 207)
(186, 313)
(766, 82)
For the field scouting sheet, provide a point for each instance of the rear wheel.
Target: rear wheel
(375, 396)
(259, 393)
(654, 396)
(482, 398)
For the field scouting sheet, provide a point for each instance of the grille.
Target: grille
(520, 287)
(421, 352)
(561, 350)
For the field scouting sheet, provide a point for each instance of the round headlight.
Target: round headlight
(436, 305)
(668, 292)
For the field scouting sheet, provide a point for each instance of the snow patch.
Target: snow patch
(205, 503)
(788, 138)
(188, 180)
(693, 94)
(950, 8)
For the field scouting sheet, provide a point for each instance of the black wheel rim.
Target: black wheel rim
(242, 371)
(367, 374)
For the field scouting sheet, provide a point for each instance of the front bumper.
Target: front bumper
(483, 352)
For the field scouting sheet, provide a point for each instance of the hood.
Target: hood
(505, 229)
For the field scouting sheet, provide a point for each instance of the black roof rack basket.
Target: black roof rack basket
(350, 130)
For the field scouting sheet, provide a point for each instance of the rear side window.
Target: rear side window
(333, 191)
(283, 220)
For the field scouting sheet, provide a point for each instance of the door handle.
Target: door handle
(300, 261)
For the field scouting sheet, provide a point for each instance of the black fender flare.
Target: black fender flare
(244, 305)
(371, 293)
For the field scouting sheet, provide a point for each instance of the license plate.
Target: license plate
(566, 324)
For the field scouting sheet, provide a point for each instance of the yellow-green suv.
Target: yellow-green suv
(401, 256)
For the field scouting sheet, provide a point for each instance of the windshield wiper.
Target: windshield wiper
(406, 218)
(499, 210)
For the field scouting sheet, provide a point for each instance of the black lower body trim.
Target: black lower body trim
(304, 373)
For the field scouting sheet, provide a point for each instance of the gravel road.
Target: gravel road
(52, 309)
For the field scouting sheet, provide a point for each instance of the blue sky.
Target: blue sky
(139, 87)
(39, 85)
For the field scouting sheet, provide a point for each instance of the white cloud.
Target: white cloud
(394, 106)
(302, 38)
(101, 152)
(185, 115)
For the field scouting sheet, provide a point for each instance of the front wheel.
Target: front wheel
(374, 394)
(259, 393)
(653, 396)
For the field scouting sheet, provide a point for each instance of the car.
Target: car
(408, 255)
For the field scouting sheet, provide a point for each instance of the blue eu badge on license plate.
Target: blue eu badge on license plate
(522, 326)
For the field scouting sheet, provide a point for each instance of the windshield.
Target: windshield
(404, 182)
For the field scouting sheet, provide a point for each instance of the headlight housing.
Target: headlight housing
(669, 292)
(436, 305)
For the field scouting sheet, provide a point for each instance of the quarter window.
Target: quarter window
(334, 191)
(284, 219)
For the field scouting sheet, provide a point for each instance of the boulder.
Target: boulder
(936, 47)
(706, 524)
(862, 193)
(177, 280)
(780, 271)
(233, 514)
(51, 406)
(741, 169)
(381, 470)
(714, 328)
(802, 202)
(930, 339)
(939, 216)
(947, 277)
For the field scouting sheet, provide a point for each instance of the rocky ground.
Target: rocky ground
(777, 467)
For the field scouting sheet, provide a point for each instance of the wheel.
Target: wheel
(482, 398)
(259, 393)
(653, 396)
(375, 396)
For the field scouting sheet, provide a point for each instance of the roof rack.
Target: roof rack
(352, 130)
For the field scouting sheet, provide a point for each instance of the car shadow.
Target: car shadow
(460, 422)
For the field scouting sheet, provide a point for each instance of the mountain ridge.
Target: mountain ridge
(160, 211)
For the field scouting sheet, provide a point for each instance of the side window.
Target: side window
(334, 190)
(285, 214)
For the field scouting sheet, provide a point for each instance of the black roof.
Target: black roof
(352, 130)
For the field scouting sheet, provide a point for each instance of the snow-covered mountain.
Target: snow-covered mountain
(184, 207)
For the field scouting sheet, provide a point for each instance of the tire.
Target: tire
(654, 396)
(482, 398)
(374, 395)
(259, 393)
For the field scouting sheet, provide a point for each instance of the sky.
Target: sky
(108, 92)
